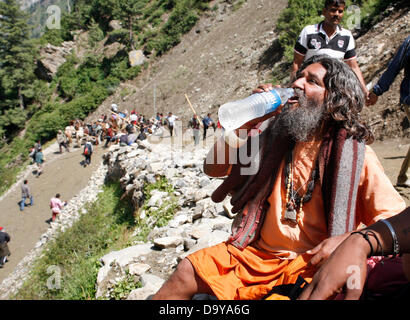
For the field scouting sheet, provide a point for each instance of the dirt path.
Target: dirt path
(391, 154)
(63, 174)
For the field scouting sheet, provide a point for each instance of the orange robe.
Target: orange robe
(278, 256)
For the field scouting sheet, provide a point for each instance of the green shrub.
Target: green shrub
(181, 20)
(297, 15)
(46, 126)
(158, 217)
(8, 177)
(95, 34)
(169, 4)
(13, 119)
(53, 36)
(124, 287)
(157, 14)
(118, 35)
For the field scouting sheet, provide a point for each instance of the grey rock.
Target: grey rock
(157, 198)
(178, 220)
(168, 242)
(138, 268)
(151, 284)
(209, 240)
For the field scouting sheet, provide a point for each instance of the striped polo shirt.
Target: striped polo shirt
(313, 40)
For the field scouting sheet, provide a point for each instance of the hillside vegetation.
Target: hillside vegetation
(33, 109)
(40, 107)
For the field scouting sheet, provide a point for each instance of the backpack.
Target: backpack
(142, 136)
(87, 150)
(129, 127)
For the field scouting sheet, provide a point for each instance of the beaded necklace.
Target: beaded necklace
(293, 200)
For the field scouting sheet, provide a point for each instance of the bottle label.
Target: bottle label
(274, 101)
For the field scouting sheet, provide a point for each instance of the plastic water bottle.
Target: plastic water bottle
(236, 113)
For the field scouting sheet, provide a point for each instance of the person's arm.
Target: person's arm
(347, 268)
(60, 203)
(392, 70)
(297, 61)
(222, 155)
(224, 152)
(372, 98)
(299, 53)
(219, 158)
(355, 67)
(324, 249)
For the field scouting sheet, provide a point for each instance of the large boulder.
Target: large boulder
(115, 263)
(136, 58)
(115, 25)
(51, 58)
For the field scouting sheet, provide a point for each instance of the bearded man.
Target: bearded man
(316, 182)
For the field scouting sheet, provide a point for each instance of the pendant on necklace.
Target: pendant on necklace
(290, 213)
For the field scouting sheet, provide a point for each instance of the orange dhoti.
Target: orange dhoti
(247, 274)
(251, 273)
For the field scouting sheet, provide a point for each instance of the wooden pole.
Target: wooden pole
(155, 98)
(193, 110)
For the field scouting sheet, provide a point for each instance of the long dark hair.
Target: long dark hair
(344, 98)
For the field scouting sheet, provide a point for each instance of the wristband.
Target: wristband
(396, 246)
(365, 234)
(233, 140)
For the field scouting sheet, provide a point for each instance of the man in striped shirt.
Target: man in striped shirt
(328, 37)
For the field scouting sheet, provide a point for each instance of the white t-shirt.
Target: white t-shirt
(171, 119)
(313, 40)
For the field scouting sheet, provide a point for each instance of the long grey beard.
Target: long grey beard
(299, 123)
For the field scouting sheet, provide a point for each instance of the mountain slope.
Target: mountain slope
(230, 51)
(375, 49)
(215, 62)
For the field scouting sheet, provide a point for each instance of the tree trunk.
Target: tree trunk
(21, 99)
(131, 37)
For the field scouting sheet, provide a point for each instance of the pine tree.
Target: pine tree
(297, 15)
(17, 64)
(130, 11)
